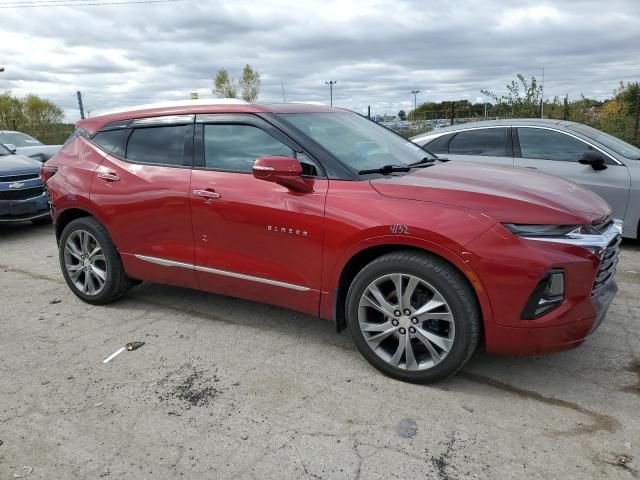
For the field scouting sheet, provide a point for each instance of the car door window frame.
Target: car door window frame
(508, 143)
(154, 122)
(609, 160)
(247, 120)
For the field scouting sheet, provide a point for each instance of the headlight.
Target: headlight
(542, 230)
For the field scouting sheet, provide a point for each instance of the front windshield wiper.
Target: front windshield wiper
(426, 161)
(386, 169)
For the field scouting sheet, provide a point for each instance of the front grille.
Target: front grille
(21, 194)
(607, 269)
(18, 178)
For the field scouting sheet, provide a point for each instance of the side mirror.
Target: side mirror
(11, 147)
(285, 171)
(593, 158)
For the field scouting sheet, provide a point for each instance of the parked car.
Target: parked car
(320, 210)
(23, 144)
(591, 158)
(22, 194)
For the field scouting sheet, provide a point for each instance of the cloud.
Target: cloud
(378, 51)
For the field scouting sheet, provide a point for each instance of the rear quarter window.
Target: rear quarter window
(112, 141)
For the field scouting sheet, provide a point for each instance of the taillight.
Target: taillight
(47, 171)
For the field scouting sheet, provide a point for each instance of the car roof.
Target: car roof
(536, 122)
(203, 106)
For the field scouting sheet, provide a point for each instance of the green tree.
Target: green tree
(38, 111)
(224, 86)
(521, 100)
(402, 115)
(11, 112)
(250, 84)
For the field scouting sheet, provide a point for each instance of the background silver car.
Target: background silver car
(589, 157)
(23, 144)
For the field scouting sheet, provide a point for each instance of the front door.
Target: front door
(557, 153)
(254, 239)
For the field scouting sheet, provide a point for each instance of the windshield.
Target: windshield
(356, 141)
(619, 146)
(18, 139)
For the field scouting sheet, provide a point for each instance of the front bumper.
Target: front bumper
(510, 268)
(24, 210)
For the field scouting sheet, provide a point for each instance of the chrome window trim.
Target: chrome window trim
(598, 243)
(440, 134)
(172, 263)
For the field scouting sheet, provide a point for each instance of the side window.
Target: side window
(236, 147)
(159, 145)
(550, 145)
(440, 144)
(112, 141)
(490, 142)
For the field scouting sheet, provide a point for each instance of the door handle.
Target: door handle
(532, 168)
(109, 177)
(207, 194)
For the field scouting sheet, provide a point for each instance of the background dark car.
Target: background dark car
(22, 194)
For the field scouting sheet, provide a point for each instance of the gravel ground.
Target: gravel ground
(225, 388)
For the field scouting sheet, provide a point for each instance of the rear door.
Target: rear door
(484, 145)
(142, 190)
(556, 153)
(255, 239)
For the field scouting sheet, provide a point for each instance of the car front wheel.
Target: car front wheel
(413, 316)
(90, 262)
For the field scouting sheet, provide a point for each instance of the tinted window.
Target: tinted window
(161, 145)
(550, 145)
(440, 144)
(112, 141)
(491, 142)
(236, 147)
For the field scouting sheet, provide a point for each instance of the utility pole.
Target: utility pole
(369, 111)
(284, 100)
(415, 102)
(331, 83)
(80, 104)
(542, 96)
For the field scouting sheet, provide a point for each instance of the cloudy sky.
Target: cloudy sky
(377, 51)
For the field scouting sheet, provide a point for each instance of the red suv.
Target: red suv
(323, 211)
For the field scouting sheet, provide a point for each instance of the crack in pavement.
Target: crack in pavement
(601, 421)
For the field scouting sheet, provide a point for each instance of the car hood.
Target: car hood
(18, 164)
(39, 152)
(506, 194)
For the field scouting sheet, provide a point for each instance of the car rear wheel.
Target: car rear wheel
(413, 317)
(90, 262)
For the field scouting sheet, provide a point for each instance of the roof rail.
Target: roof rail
(177, 103)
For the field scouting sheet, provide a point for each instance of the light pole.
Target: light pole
(331, 83)
(415, 102)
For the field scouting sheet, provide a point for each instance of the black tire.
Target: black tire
(449, 282)
(42, 220)
(117, 283)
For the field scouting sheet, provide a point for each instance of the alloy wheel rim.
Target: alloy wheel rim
(406, 322)
(85, 262)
